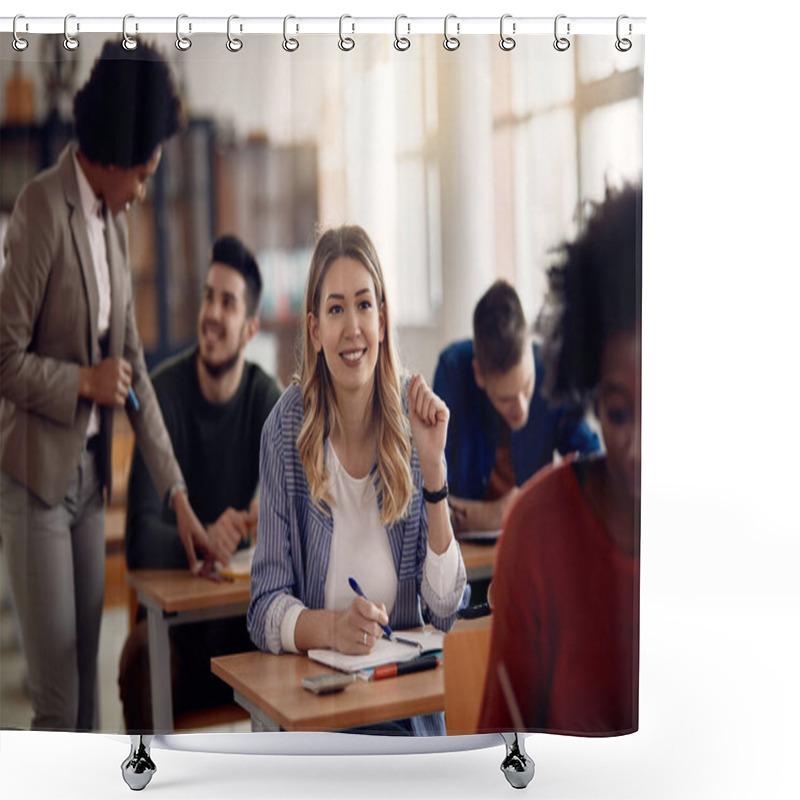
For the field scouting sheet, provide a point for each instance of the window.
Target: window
(573, 120)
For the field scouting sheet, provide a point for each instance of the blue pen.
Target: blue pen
(132, 397)
(386, 629)
(357, 589)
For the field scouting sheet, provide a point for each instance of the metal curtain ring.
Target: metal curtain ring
(70, 42)
(345, 42)
(128, 42)
(507, 42)
(623, 45)
(233, 44)
(290, 44)
(561, 43)
(19, 43)
(401, 43)
(182, 42)
(451, 42)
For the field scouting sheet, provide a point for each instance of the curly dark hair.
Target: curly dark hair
(594, 293)
(230, 251)
(128, 106)
(499, 331)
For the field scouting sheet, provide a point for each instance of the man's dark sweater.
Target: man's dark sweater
(217, 447)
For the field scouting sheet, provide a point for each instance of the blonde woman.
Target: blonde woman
(353, 479)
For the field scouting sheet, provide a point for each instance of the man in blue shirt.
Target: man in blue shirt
(501, 428)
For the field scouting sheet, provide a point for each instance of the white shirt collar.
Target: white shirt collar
(91, 204)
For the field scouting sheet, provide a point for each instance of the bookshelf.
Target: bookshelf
(268, 196)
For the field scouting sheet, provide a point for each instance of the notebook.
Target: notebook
(240, 563)
(384, 652)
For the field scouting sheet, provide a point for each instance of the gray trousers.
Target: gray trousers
(55, 558)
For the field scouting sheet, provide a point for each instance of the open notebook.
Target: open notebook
(240, 563)
(384, 652)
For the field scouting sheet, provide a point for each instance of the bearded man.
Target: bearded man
(214, 404)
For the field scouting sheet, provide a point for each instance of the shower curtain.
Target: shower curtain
(465, 163)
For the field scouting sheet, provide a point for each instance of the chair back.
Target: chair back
(466, 659)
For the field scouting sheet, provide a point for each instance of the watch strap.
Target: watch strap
(436, 497)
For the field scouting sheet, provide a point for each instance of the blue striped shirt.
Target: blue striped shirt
(294, 542)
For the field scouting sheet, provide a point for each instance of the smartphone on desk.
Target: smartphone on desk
(327, 682)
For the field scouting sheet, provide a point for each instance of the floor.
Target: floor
(15, 708)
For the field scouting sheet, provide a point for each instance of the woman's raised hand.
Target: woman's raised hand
(428, 415)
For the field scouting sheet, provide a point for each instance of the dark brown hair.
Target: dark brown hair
(230, 251)
(499, 331)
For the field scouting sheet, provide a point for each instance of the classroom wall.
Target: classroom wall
(399, 142)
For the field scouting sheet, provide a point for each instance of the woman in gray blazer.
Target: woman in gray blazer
(70, 355)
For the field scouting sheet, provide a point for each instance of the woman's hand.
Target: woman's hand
(357, 628)
(106, 383)
(428, 416)
(192, 534)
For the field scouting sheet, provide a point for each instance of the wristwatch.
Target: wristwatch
(436, 497)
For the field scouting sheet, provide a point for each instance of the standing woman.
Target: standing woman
(353, 479)
(564, 655)
(70, 355)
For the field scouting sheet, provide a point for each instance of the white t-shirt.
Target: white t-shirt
(96, 232)
(360, 549)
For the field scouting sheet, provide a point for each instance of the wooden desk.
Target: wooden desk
(478, 559)
(175, 597)
(268, 687)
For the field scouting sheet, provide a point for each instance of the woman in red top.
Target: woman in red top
(565, 641)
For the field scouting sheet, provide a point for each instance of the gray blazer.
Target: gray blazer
(48, 329)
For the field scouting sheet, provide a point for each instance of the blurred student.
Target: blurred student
(565, 639)
(70, 355)
(352, 480)
(501, 430)
(214, 404)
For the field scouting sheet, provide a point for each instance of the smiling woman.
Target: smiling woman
(348, 328)
(346, 457)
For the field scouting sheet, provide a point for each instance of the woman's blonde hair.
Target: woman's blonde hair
(394, 481)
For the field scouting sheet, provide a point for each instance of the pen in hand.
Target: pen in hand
(133, 398)
(357, 589)
(387, 631)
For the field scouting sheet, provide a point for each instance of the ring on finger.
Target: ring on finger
(365, 638)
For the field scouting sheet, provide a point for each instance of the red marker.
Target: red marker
(405, 667)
